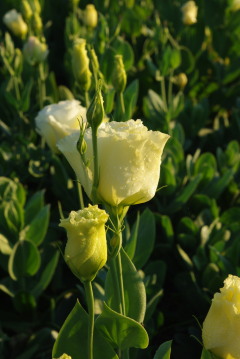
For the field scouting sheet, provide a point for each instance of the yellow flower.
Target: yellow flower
(235, 6)
(90, 16)
(129, 161)
(64, 356)
(86, 248)
(189, 13)
(58, 120)
(221, 328)
(14, 21)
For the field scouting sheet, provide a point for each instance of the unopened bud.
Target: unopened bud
(36, 7)
(18, 61)
(37, 22)
(26, 10)
(119, 79)
(65, 93)
(189, 13)
(180, 80)
(90, 16)
(80, 64)
(86, 248)
(235, 5)
(95, 112)
(64, 356)
(14, 21)
(35, 51)
(94, 60)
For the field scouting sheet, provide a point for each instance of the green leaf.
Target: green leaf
(122, 332)
(131, 244)
(130, 99)
(184, 195)
(146, 238)
(37, 229)
(5, 247)
(72, 338)
(47, 270)
(164, 351)
(24, 260)
(25, 100)
(206, 354)
(134, 289)
(14, 216)
(33, 206)
(218, 184)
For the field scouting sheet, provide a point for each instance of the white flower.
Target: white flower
(189, 13)
(14, 21)
(34, 51)
(129, 161)
(58, 120)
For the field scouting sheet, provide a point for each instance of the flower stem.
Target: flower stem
(90, 304)
(120, 282)
(96, 168)
(86, 99)
(80, 194)
(122, 105)
(41, 85)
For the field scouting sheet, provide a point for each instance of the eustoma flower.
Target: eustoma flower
(86, 248)
(129, 161)
(221, 328)
(58, 120)
(189, 13)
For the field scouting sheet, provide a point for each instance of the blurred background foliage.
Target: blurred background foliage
(183, 80)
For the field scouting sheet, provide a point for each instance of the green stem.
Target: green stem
(95, 165)
(90, 304)
(41, 85)
(86, 99)
(170, 89)
(163, 91)
(122, 104)
(120, 281)
(80, 194)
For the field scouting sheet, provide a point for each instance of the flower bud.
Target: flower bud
(221, 328)
(34, 51)
(189, 13)
(80, 64)
(180, 80)
(18, 61)
(37, 22)
(65, 93)
(26, 10)
(235, 6)
(14, 21)
(119, 79)
(90, 16)
(64, 356)
(95, 112)
(36, 6)
(86, 248)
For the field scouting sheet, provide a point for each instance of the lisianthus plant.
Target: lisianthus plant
(118, 165)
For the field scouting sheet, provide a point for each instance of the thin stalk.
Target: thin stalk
(120, 281)
(90, 304)
(80, 194)
(170, 89)
(95, 165)
(163, 91)
(86, 99)
(122, 103)
(41, 85)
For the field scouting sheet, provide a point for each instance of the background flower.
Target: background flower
(221, 328)
(56, 121)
